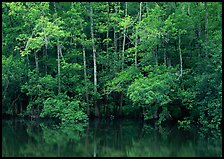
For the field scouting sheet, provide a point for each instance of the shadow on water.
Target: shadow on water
(102, 138)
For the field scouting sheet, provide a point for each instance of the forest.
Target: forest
(74, 61)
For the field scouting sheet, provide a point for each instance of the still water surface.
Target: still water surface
(102, 138)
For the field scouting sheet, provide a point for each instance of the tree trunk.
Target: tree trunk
(199, 36)
(115, 37)
(143, 111)
(164, 57)
(87, 139)
(121, 103)
(136, 51)
(59, 71)
(36, 61)
(140, 11)
(108, 62)
(108, 21)
(164, 53)
(46, 46)
(123, 48)
(21, 106)
(156, 56)
(27, 55)
(168, 61)
(147, 8)
(85, 77)
(206, 29)
(188, 9)
(181, 65)
(28, 61)
(115, 41)
(136, 36)
(94, 61)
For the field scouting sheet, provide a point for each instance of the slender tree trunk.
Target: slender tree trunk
(85, 77)
(155, 115)
(121, 103)
(155, 54)
(115, 45)
(55, 7)
(188, 9)
(27, 55)
(140, 11)
(136, 51)
(181, 65)
(123, 48)
(108, 21)
(21, 106)
(206, 29)
(164, 58)
(143, 111)
(164, 54)
(199, 37)
(115, 37)
(115, 41)
(59, 70)
(87, 139)
(46, 46)
(36, 61)
(147, 8)
(168, 61)
(136, 36)
(28, 61)
(110, 62)
(107, 36)
(94, 61)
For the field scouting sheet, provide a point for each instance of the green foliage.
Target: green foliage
(70, 77)
(64, 108)
(44, 98)
(184, 124)
(154, 91)
(211, 116)
(123, 79)
(38, 89)
(33, 33)
(13, 75)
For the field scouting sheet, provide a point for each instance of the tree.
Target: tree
(94, 60)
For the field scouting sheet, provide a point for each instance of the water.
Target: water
(103, 138)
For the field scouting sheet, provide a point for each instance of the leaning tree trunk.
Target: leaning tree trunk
(94, 61)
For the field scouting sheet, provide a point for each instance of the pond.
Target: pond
(125, 138)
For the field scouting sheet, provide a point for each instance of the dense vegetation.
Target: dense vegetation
(156, 60)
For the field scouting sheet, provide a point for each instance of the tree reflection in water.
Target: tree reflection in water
(102, 138)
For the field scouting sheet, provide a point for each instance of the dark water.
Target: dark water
(102, 138)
